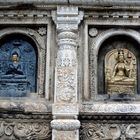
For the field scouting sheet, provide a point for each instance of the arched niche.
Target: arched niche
(112, 45)
(18, 65)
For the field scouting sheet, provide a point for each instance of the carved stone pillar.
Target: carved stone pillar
(65, 109)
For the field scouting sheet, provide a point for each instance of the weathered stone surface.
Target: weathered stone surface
(106, 2)
(69, 39)
(111, 108)
(21, 126)
(75, 2)
(34, 2)
(65, 124)
(110, 131)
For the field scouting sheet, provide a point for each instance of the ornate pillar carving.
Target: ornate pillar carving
(65, 109)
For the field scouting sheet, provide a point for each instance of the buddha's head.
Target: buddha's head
(15, 57)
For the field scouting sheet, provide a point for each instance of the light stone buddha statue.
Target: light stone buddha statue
(120, 72)
(123, 68)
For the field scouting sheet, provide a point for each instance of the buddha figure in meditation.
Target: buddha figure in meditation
(14, 67)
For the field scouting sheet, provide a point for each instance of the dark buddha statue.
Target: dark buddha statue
(18, 68)
(14, 67)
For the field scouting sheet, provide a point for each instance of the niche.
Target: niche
(118, 67)
(18, 66)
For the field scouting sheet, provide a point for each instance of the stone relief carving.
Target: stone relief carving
(93, 32)
(94, 44)
(90, 131)
(65, 135)
(42, 31)
(26, 131)
(39, 40)
(18, 62)
(67, 20)
(120, 72)
(66, 73)
(92, 71)
(66, 84)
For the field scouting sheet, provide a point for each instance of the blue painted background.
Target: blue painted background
(18, 85)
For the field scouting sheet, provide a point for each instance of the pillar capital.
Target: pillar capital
(67, 17)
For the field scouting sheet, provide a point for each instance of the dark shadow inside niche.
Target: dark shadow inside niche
(117, 42)
(18, 66)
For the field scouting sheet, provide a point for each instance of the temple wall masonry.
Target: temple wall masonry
(69, 70)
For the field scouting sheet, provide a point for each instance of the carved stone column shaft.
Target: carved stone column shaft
(65, 100)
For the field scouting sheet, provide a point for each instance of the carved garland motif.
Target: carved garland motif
(26, 131)
(90, 131)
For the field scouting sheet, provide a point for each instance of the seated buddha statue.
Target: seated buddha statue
(123, 68)
(14, 68)
(122, 77)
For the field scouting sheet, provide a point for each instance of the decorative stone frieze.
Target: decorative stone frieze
(114, 131)
(27, 127)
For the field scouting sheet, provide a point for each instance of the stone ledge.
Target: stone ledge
(65, 109)
(75, 2)
(106, 2)
(111, 108)
(33, 1)
(25, 105)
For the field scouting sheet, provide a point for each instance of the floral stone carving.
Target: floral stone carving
(90, 131)
(26, 131)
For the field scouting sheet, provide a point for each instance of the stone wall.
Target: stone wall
(71, 101)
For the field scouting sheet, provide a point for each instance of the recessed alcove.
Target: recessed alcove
(120, 82)
(18, 66)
